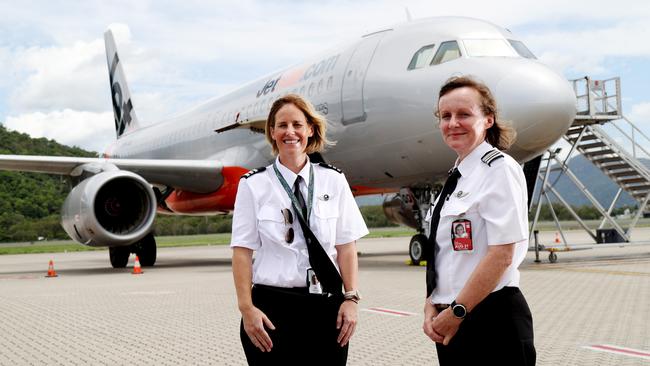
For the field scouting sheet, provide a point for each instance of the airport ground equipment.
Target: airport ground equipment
(609, 140)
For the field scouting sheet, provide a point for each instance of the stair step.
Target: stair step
(639, 195)
(606, 160)
(573, 130)
(638, 189)
(632, 180)
(612, 167)
(626, 173)
(586, 137)
(598, 153)
(592, 145)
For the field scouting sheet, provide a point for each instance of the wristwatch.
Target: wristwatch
(353, 295)
(459, 310)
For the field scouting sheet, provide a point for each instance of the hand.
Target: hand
(346, 321)
(446, 324)
(254, 321)
(430, 313)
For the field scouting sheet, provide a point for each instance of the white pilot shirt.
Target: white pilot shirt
(494, 198)
(258, 223)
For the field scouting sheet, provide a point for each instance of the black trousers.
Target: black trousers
(499, 331)
(305, 328)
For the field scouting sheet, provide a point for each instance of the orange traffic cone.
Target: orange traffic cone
(137, 269)
(50, 270)
(557, 238)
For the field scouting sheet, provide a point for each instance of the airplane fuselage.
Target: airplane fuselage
(380, 112)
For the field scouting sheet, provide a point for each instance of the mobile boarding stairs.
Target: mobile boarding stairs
(612, 143)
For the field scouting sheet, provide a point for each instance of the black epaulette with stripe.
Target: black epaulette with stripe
(253, 172)
(491, 156)
(328, 166)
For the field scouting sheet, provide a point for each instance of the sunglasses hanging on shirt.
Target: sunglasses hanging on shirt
(288, 220)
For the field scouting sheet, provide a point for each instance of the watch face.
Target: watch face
(459, 311)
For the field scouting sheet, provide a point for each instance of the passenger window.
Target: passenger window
(446, 52)
(421, 57)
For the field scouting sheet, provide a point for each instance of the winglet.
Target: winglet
(125, 118)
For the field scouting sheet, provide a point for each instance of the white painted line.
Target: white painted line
(389, 312)
(620, 350)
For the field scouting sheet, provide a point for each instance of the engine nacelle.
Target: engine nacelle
(112, 208)
(400, 210)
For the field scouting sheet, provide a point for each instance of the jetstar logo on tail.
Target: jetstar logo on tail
(122, 109)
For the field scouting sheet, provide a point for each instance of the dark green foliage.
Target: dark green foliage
(30, 203)
(374, 217)
(190, 225)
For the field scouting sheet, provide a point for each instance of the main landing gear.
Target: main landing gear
(417, 248)
(145, 249)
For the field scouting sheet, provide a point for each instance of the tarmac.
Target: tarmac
(592, 307)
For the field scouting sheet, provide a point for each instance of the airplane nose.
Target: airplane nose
(541, 105)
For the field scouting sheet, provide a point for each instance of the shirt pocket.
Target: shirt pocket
(326, 215)
(271, 225)
(457, 208)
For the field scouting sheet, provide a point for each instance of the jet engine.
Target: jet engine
(111, 208)
(401, 209)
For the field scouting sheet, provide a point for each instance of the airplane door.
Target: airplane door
(353, 79)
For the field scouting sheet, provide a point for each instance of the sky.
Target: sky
(176, 54)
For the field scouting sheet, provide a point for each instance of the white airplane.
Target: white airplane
(378, 94)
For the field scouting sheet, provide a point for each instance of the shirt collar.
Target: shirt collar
(469, 164)
(290, 176)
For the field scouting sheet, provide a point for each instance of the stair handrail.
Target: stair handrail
(635, 144)
(620, 150)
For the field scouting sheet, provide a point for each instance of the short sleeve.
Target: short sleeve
(504, 204)
(350, 225)
(244, 219)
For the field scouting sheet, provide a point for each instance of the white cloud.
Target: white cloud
(640, 117)
(640, 113)
(61, 77)
(177, 54)
(89, 130)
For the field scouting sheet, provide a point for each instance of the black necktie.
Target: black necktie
(301, 199)
(447, 189)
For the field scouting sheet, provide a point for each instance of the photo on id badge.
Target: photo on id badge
(313, 283)
(461, 235)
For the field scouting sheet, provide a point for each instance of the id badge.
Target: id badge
(461, 235)
(313, 282)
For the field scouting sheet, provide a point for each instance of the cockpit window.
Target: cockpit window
(446, 52)
(521, 49)
(421, 57)
(488, 48)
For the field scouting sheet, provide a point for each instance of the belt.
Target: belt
(292, 290)
(440, 307)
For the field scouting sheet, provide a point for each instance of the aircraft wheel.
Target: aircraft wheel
(552, 257)
(416, 248)
(145, 249)
(119, 256)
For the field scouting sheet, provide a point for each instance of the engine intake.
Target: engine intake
(401, 211)
(112, 208)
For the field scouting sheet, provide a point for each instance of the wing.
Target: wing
(200, 176)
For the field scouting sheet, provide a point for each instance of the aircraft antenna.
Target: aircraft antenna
(409, 18)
